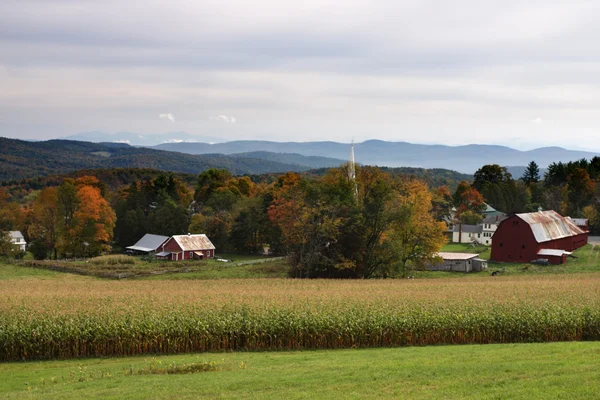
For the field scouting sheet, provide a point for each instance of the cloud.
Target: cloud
(168, 116)
(224, 118)
(123, 141)
(175, 141)
(536, 121)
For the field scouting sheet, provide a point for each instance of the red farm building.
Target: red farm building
(186, 247)
(539, 235)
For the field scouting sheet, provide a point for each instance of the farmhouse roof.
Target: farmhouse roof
(468, 228)
(550, 225)
(149, 242)
(580, 221)
(163, 254)
(493, 219)
(457, 256)
(194, 242)
(16, 235)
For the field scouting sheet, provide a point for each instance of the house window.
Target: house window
(478, 235)
(191, 254)
(522, 246)
(501, 244)
(208, 253)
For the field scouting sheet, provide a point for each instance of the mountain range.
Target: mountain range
(465, 159)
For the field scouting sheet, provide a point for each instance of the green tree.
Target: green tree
(490, 174)
(38, 249)
(531, 174)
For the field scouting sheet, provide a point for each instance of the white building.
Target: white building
(17, 238)
(481, 233)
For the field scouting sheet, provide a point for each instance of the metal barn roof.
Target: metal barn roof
(194, 242)
(148, 243)
(550, 225)
(456, 256)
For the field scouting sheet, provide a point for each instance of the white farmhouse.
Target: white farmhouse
(17, 238)
(481, 233)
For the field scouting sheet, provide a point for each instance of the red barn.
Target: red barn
(531, 236)
(186, 247)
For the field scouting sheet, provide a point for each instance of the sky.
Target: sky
(522, 74)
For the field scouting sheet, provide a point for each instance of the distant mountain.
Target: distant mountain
(465, 159)
(294, 159)
(21, 159)
(138, 139)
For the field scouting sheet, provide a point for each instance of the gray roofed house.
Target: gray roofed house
(583, 223)
(17, 238)
(458, 262)
(149, 243)
(468, 228)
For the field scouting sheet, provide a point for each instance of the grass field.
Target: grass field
(122, 267)
(523, 371)
(66, 318)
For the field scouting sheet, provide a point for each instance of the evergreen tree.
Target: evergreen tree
(531, 174)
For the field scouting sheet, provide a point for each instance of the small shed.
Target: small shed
(554, 256)
(458, 262)
(148, 244)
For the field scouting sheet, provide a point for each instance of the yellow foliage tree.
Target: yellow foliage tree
(415, 235)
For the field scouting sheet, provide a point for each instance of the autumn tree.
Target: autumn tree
(85, 220)
(415, 235)
(12, 215)
(580, 189)
(467, 202)
(94, 221)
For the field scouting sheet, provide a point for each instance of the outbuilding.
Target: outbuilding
(522, 237)
(458, 262)
(186, 247)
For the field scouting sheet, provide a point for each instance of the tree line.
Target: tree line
(331, 225)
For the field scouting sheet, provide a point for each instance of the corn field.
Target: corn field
(59, 319)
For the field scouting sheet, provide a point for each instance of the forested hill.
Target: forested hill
(21, 159)
(113, 179)
(434, 177)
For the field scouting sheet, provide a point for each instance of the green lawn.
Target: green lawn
(523, 371)
(13, 271)
(213, 269)
(121, 266)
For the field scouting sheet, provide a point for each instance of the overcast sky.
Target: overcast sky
(524, 74)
